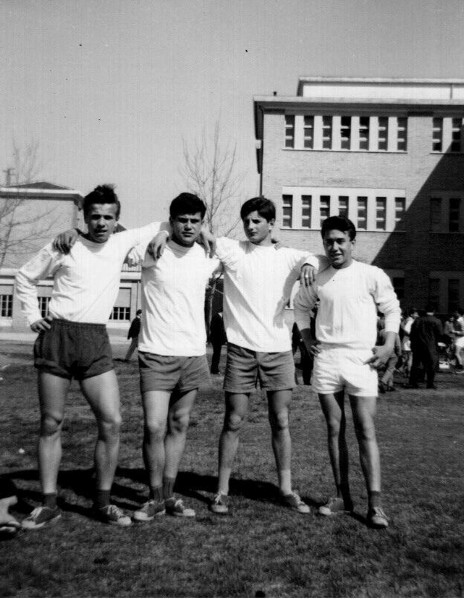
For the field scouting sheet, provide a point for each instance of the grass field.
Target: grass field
(260, 548)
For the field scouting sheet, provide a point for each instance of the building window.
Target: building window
(324, 208)
(437, 135)
(383, 133)
(435, 214)
(306, 202)
(120, 313)
(362, 213)
(327, 132)
(456, 126)
(6, 305)
(289, 131)
(308, 133)
(454, 214)
(43, 305)
(345, 132)
(364, 133)
(434, 292)
(400, 210)
(402, 134)
(287, 211)
(398, 285)
(381, 214)
(343, 206)
(453, 294)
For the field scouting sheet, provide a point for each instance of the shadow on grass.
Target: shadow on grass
(79, 484)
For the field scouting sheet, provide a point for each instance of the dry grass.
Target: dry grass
(260, 549)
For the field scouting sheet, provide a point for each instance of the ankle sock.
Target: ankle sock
(168, 487)
(156, 493)
(102, 499)
(49, 500)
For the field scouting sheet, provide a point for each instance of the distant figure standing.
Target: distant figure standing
(426, 332)
(133, 334)
(217, 336)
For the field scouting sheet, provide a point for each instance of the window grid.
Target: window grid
(308, 132)
(345, 132)
(364, 133)
(327, 132)
(306, 202)
(383, 133)
(43, 305)
(343, 205)
(453, 294)
(381, 214)
(402, 134)
(6, 305)
(454, 214)
(400, 210)
(456, 126)
(437, 135)
(120, 313)
(362, 213)
(290, 131)
(434, 292)
(324, 207)
(287, 209)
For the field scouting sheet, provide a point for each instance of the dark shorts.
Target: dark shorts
(167, 373)
(244, 368)
(78, 350)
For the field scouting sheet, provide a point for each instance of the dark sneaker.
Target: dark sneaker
(294, 502)
(175, 507)
(149, 510)
(111, 514)
(219, 504)
(376, 518)
(335, 507)
(41, 516)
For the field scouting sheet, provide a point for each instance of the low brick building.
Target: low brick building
(388, 153)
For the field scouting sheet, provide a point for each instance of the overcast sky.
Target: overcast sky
(111, 88)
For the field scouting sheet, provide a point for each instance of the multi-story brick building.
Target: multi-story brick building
(41, 211)
(389, 154)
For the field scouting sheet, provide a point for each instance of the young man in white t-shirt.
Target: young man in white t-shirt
(172, 351)
(73, 343)
(258, 280)
(349, 294)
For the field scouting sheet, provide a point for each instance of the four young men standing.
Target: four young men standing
(259, 277)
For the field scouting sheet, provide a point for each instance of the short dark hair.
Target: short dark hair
(411, 311)
(186, 203)
(339, 223)
(264, 207)
(138, 312)
(102, 194)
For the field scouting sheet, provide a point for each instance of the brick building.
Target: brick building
(44, 210)
(388, 153)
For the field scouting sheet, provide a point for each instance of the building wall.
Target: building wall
(421, 173)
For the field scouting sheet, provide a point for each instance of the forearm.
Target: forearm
(26, 292)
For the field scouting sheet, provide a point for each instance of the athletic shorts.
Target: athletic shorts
(78, 350)
(245, 367)
(166, 373)
(339, 368)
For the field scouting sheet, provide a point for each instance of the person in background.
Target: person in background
(133, 334)
(426, 332)
(405, 331)
(217, 336)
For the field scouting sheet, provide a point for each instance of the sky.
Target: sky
(112, 90)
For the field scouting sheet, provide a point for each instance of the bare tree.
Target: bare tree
(210, 172)
(21, 228)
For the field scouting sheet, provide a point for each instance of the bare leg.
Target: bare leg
(236, 410)
(364, 409)
(155, 407)
(278, 402)
(52, 395)
(102, 393)
(178, 420)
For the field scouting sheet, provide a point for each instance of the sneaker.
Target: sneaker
(376, 518)
(111, 514)
(219, 504)
(294, 502)
(335, 507)
(41, 516)
(149, 510)
(176, 507)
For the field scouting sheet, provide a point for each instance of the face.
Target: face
(338, 248)
(101, 221)
(186, 228)
(257, 228)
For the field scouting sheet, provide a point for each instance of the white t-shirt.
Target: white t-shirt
(258, 281)
(173, 301)
(86, 281)
(348, 302)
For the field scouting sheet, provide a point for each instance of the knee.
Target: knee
(365, 432)
(179, 424)
(110, 427)
(233, 422)
(155, 430)
(333, 427)
(50, 425)
(279, 421)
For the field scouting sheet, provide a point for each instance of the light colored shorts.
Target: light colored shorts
(338, 368)
(245, 367)
(166, 373)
